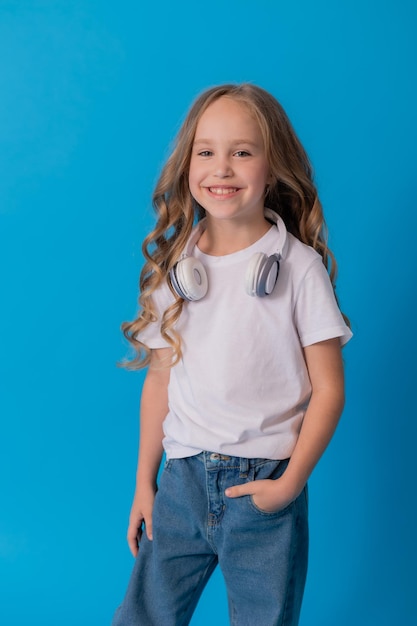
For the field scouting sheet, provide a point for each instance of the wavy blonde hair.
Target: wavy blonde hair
(292, 194)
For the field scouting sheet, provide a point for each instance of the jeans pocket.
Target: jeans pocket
(277, 513)
(270, 470)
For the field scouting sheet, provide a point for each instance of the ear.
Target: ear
(271, 179)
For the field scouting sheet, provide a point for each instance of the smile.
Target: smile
(223, 191)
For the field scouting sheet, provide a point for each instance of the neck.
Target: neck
(222, 237)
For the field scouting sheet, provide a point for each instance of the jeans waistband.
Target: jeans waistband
(215, 460)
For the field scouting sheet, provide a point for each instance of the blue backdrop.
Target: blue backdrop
(92, 93)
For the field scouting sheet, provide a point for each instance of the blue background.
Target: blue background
(92, 93)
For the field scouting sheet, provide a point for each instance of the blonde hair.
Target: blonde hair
(292, 194)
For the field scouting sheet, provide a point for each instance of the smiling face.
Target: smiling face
(229, 170)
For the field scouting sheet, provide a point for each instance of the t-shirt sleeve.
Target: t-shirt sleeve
(317, 313)
(151, 335)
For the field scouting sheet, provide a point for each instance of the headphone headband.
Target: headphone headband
(270, 215)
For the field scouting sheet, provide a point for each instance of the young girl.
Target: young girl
(241, 332)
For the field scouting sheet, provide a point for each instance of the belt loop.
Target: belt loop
(244, 467)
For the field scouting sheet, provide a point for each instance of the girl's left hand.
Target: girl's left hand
(268, 495)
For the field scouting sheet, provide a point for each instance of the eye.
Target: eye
(205, 153)
(242, 153)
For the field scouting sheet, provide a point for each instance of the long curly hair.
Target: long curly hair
(292, 194)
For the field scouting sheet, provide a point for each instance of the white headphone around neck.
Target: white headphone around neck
(189, 278)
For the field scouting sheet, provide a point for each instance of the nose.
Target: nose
(223, 168)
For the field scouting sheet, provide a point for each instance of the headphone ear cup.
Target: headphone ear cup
(252, 272)
(189, 279)
(261, 274)
(174, 282)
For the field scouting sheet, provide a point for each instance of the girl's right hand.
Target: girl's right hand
(140, 515)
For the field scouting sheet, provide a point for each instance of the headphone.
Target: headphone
(189, 278)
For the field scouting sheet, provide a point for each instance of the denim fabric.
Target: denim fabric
(263, 556)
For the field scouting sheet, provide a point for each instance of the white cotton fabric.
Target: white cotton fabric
(242, 386)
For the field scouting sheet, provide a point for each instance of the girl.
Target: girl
(242, 336)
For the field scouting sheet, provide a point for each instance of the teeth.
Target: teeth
(221, 191)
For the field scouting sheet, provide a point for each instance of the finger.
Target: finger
(133, 546)
(148, 527)
(133, 539)
(237, 491)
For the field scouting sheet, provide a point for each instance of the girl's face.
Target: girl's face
(228, 169)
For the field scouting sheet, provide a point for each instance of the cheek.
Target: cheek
(259, 179)
(193, 180)
(265, 177)
(191, 184)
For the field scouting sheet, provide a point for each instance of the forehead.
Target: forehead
(227, 117)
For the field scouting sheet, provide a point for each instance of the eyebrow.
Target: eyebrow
(235, 142)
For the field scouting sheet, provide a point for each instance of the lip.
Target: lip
(222, 191)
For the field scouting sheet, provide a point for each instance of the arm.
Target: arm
(325, 368)
(153, 410)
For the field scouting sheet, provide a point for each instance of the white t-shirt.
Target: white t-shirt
(242, 386)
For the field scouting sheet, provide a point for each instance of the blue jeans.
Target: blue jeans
(262, 555)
